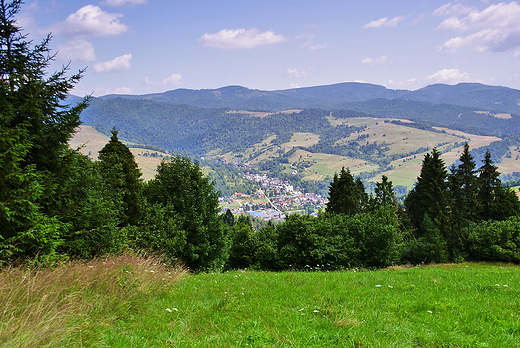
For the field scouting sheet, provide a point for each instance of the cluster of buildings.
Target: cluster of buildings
(281, 199)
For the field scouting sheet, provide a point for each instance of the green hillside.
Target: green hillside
(364, 127)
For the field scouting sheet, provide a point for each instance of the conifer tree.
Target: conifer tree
(35, 126)
(466, 175)
(346, 196)
(495, 202)
(463, 189)
(123, 176)
(429, 196)
(384, 193)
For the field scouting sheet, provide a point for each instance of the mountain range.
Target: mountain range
(492, 98)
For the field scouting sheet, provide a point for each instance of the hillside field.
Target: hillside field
(399, 139)
(90, 142)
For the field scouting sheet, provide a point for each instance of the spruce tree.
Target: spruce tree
(495, 201)
(123, 178)
(384, 193)
(429, 196)
(346, 196)
(467, 178)
(35, 126)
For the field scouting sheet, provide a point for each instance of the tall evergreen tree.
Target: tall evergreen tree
(35, 126)
(467, 177)
(495, 202)
(123, 176)
(463, 189)
(429, 196)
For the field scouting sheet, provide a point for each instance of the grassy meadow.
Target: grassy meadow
(131, 301)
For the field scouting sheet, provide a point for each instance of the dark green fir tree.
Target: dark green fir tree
(123, 179)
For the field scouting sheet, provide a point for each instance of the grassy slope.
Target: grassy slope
(399, 139)
(91, 141)
(119, 302)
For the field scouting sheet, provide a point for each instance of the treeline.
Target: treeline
(461, 215)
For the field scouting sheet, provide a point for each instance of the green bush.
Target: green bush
(495, 240)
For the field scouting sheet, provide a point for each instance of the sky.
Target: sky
(152, 46)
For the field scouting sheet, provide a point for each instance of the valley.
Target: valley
(302, 137)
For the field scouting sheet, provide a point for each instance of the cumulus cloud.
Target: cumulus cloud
(173, 79)
(240, 38)
(91, 20)
(449, 76)
(383, 60)
(295, 73)
(496, 29)
(384, 22)
(122, 2)
(77, 50)
(118, 64)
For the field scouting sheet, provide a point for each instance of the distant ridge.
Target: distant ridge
(492, 98)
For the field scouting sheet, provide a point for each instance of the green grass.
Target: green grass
(463, 305)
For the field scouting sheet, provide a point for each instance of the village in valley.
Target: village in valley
(273, 200)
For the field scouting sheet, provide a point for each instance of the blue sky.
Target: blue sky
(148, 46)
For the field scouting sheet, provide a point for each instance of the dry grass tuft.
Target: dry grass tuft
(35, 303)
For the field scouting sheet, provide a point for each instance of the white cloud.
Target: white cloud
(384, 22)
(173, 79)
(318, 47)
(309, 42)
(91, 21)
(517, 54)
(449, 76)
(240, 38)
(78, 50)
(496, 29)
(118, 64)
(296, 74)
(99, 91)
(294, 85)
(383, 60)
(452, 9)
(122, 2)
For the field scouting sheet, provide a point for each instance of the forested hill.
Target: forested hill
(198, 130)
(476, 95)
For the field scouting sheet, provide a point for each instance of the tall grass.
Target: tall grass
(67, 305)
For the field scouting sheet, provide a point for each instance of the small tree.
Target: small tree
(384, 193)
(346, 196)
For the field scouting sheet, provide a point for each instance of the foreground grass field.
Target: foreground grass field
(135, 302)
